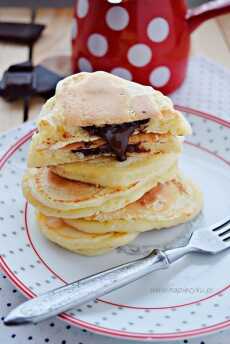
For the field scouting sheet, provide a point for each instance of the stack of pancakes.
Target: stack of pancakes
(103, 166)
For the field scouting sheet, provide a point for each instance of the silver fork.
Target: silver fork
(211, 240)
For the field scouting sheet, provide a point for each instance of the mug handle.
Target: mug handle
(196, 16)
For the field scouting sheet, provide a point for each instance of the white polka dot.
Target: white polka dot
(122, 72)
(117, 18)
(82, 8)
(97, 44)
(139, 55)
(84, 65)
(74, 29)
(158, 29)
(114, 1)
(160, 76)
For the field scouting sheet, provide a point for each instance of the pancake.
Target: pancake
(56, 196)
(101, 98)
(79, 242)
(109, 172)
(140, 145)
(103, 164)
(86, 104)
(169, 204)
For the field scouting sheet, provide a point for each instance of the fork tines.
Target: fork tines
(223, 230)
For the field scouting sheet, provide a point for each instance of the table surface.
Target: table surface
(211, 39)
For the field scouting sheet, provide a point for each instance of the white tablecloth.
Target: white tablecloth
(207, 88)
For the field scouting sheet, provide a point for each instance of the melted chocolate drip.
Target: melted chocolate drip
(117, 138)
(106, 149)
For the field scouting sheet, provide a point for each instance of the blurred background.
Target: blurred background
(211, 39)
(61, 3)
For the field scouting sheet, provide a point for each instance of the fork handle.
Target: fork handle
(64, 298)
(176, 253)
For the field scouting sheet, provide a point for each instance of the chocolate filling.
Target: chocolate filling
(106, 149)
(116, 137)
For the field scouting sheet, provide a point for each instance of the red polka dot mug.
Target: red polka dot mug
(146, 41)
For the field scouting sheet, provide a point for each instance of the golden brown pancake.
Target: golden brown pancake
(169, 204)
(55, 155)
(57, 196)
(109, 172)
(80, 242)
(100, 99)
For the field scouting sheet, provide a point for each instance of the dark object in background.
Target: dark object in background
(20, 33)
(24, 80)
(46, 81)
(18, 82)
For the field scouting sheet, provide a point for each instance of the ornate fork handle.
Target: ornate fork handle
(211, 241)
(61, 299)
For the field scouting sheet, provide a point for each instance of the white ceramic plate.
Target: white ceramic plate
(190, 299)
